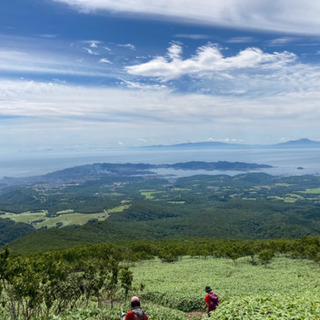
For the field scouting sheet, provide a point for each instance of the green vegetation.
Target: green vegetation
(25, 217)
(119, 208)
(149, 194)
(286, 289)
(253, 237)
(38, 287)
(313, 191)
(62, 218)
(246, 206)
(254, 280)
(9, 230)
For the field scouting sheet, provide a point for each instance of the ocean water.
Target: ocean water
(285, 162)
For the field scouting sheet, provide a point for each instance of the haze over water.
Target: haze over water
(285, 162)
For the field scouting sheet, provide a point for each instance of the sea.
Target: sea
(285, 162)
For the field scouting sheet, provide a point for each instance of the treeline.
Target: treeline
(171, 250)
(35, 287)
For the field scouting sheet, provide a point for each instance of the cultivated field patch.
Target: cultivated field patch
(61, 219)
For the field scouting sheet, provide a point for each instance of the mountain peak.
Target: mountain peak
(300, 142)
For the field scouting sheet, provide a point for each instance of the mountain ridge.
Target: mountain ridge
(300, 143)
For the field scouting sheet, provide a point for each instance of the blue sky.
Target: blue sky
(85, 75)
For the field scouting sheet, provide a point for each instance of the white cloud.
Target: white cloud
(48, 36)
(34, 114)
(295, 16)
(281, 41)
(95, 53)
(104, 60)
(174, 52)
(226, 140)
(240, 40)
(127, 45)
(47, 62)
(193, 36)
(143, 110)
(143, 86)
(94, 44)
(208, 60)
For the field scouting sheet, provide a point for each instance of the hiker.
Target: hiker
(136, 313)
(211, 300)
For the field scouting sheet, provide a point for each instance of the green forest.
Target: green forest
(119, 208)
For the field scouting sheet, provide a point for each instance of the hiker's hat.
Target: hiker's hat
(134, 298)
(207, 289)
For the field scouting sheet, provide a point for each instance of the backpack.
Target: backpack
(138, 314)
(214, 301)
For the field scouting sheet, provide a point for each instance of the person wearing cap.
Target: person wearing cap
(136, 311)
(211, 300)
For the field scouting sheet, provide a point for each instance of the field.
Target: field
(61, 218)
(313, 191)
(285, 289)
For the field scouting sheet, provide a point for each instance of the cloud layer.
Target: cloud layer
(107, 116)
(208, 60)
(294, 16)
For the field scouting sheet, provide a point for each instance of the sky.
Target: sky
(85, 75)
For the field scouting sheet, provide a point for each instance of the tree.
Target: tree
(266, 255)
(126, 278)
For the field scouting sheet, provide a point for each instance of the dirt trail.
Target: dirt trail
(196, 314)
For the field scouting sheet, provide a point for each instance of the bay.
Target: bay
(284, 161)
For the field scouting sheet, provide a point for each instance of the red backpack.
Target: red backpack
(214, 301)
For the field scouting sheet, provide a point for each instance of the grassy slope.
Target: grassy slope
(285, 289)
(64, 218)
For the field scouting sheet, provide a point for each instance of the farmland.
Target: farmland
(60, 219)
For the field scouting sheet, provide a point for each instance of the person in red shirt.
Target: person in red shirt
(211, 300)
(136, 313)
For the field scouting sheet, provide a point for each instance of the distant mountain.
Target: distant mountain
(301, 143)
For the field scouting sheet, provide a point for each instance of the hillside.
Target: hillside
(95, 171)
(9, 230)
(246, 206)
